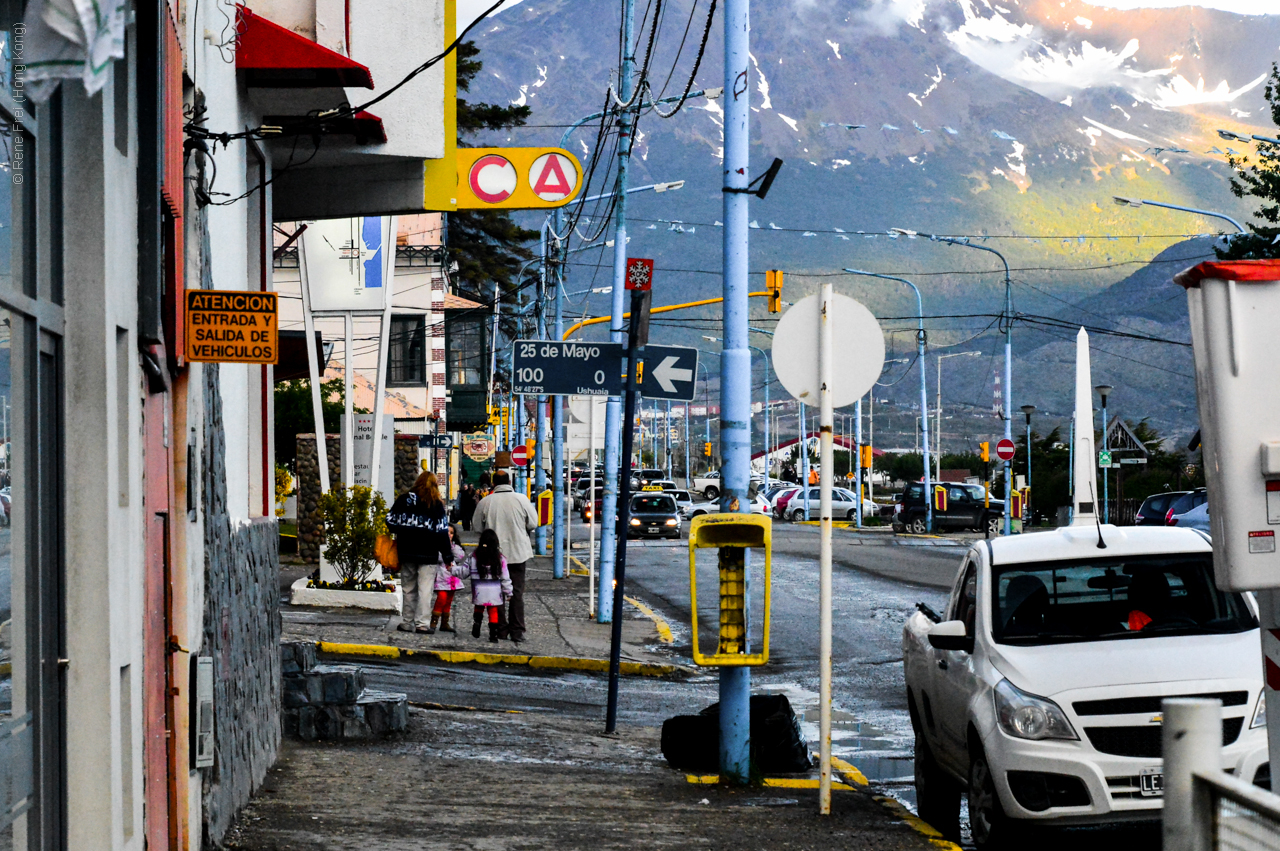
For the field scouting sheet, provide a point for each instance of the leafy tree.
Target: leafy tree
(1259, 178)
(294, 415)
(353, 519)
(489, 245)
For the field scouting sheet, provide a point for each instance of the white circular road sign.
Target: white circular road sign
(493, 178)
(858, 350)
(553, 177)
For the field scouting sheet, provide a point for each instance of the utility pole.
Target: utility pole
(560, 506)
(735, 384)
(613, 425)
(539, 448)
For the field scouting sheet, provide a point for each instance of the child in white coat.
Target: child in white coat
(490, 584)
(448, 581)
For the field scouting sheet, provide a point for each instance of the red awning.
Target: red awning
(1232, 270)
(272, 56)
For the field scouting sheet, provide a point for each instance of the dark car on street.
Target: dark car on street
(654, 515)
(967, 508)
(1155, 507)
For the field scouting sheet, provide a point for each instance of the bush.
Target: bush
(353, 519)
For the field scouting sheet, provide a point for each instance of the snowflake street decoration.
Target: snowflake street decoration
(639, 273)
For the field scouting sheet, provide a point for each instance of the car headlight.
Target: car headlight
(1260, 714)
(1025, 716)
(671, 521)
(635, 522)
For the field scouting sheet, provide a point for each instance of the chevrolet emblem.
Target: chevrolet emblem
(1156, 719)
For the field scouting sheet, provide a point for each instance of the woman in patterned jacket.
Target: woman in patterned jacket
(420, 523)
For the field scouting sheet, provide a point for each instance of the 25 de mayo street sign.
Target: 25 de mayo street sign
(232, 327)
(554, 368)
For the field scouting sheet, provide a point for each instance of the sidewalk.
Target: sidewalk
(508, 781)
(555, 611)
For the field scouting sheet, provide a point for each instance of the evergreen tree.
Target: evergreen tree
(489, 246)
(1260, 179)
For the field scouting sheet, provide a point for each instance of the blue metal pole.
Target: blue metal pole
(735, 386)
(557, 442)
(539, 448)
(613, 424)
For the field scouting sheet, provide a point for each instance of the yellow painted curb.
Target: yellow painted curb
(775, 782)
(911, 535)
(917, 824)
(664, 629)
(835, 524)
(563, 663)
(6, 669)
(849, 771)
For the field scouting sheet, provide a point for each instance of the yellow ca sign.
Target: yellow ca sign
(516, 178)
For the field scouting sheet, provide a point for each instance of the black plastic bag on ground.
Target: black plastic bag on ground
(691, 742)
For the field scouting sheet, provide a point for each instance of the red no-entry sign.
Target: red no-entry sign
(520, 455)
(1005, 449)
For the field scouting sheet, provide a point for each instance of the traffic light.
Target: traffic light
(868, 461)
(985, 452)
(773, 284)
(706, 449)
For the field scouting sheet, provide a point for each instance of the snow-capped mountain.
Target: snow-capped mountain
(1016, 121)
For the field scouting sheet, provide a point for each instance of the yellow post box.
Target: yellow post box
(732, 535)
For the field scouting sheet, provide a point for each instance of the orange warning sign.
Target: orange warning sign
(232, 327)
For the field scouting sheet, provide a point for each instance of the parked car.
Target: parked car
(791, 506)
(708, 484)
(1185, 503)
(968, 507)
(1154, 508)
(665, 484)
(654, 515)
(1038, 690)
(590, 511)
(699, 508)
(1196, 518)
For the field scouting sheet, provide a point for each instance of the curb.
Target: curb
(775, 782)
(562, 663)
(664, 628)
(851, 773)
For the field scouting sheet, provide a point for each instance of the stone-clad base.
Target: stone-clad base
(329, 702)
(378, 601)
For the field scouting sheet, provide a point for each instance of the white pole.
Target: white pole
(384, 338)
(937, 455)
(348, 416)
(313, 368)
(591, 501)
(826, 473)
(1192, 734)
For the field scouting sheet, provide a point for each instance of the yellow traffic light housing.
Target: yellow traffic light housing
(773, 285)
(732, 535)
(985, 451)
(706, 449)
(868, 459)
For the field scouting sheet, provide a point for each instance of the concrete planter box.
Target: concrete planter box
(378, 601)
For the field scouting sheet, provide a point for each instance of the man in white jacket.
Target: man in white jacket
(512, 516)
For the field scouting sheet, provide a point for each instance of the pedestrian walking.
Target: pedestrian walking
(420, 522)
(490, 585)
(467, 506)
(512, 517)
(448, 581)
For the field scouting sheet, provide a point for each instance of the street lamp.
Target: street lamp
(1007, 321)
(1028, 410)
(1104, 390)
(924, 390)
(941, 358)
(1142, 202)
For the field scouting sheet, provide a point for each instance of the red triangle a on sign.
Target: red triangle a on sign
(552, 171)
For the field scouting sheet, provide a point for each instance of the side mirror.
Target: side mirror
(950, 635)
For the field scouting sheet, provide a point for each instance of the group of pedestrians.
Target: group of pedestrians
(430, 550)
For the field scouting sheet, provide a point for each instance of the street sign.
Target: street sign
(232, 327)
(1005, 450)
(795, 350)
(436, 441)
(639, 273)
(1104, 458)
(567, 368)
(516, 178)
(670, 372)
(1133, 460)
(520, 455)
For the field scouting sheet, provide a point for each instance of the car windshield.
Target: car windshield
(1186, 502)
(680, 496)
(1113, 598)
(653, 505)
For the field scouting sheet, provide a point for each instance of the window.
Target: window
(407, 356)
(466, 341)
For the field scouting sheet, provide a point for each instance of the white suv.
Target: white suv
(1039, 691)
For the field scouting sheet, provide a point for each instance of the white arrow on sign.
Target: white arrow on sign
(667, 374)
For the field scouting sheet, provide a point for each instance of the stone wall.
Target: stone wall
(310, 527)
(241, 633)
(406, 456)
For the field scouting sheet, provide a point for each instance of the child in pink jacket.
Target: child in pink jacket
(490, 584)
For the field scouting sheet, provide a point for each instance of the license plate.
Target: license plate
(653, 530)
(1151, 782)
